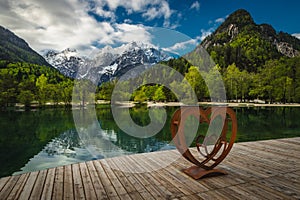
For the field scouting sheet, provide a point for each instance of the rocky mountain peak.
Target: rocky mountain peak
(238, 19)
(241, 41)
(108, 63)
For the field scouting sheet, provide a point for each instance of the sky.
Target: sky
(88, 25)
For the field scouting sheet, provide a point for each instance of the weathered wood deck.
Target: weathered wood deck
(257, 170)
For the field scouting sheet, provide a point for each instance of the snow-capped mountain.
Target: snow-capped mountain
(67, 62)
(107, 63)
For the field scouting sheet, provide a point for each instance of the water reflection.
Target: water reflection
(62, 150)
(32, 141)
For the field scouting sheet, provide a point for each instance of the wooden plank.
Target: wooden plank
(145, 179)
(191, 197)
(297, 172)
(277, 151)
(267, 158)
(278, 160)
(25, 194)
(291, 140)
(58, 183)
(238, 193)
(68, 183)
(8, 187)
(255, 165)
(38, 186)
(115, 181)
(132, 192)
(99, 188)
(89, 189)
(294, 145)
(49, 183)
(78, 185)
(214, 194)
(3, 182)
(138, 186)
(292, 176)
(159, 183)
(167, 177)
(110, 190)
(258, 190)
(282, 187)
(271, 163)
(257, 170)
(15, 192)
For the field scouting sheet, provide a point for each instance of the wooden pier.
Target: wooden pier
(256, 170)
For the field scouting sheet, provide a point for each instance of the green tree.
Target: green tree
(105, 90)
(149, 91)
(8, 88)
(237, 83)
(231, 80)
(54, 93)
(139, 96)
(84, 92)
(66, 88)
(159, 94)
(215, 84)
(195, 79)
(26, 97)
(41, 84)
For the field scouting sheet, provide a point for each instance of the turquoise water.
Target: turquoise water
(35, 140)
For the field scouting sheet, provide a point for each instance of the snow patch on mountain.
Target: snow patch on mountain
(107, 63)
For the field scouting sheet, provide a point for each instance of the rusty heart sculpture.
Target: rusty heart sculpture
(223, 139)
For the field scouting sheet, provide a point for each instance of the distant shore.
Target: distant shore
(129, 104)
(226, 104)
(162, 104)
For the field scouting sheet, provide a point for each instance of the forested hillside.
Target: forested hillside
(15, 49)
(25, 83)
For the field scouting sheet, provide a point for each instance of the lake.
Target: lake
(40, 139)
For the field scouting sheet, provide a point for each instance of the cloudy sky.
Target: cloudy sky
(91, 24)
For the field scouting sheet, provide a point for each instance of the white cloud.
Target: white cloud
(185, 46)
(195, 5)
(181, 45)
(149, 9)
(105, 13)
(297, 35)
(134, 5)
(125, 33)
(59, 24)
(127, 21)
(219, 20)
(205, 33)
(163, 10)
(214, 24)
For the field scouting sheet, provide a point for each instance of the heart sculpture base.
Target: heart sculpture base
(197, 172)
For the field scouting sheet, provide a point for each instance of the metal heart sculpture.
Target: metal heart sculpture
(214, 147)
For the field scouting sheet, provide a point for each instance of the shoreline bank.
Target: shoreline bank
(131, 104)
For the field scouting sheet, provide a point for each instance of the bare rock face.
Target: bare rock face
(287, 49)
(233, 31)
